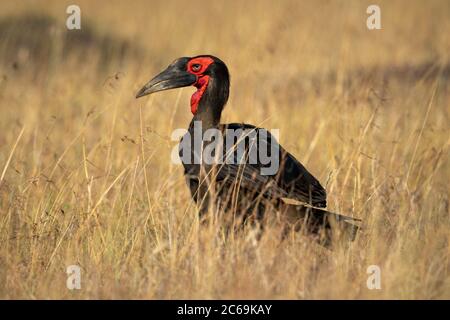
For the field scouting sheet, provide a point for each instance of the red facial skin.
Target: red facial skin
(202, 80)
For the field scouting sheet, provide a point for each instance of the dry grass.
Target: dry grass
(86, 176)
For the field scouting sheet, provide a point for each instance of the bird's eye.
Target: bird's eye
(196, 67)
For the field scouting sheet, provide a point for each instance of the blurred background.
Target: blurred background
(85, 168)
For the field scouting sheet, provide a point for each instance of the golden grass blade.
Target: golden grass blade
(11, 155)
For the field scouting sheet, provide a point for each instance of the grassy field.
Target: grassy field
(85, 170)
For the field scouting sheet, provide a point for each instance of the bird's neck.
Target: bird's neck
(212, 101)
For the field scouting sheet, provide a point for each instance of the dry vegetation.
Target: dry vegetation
(85, 168)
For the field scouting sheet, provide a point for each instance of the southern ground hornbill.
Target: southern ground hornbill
(237, 186)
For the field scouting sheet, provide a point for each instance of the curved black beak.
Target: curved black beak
(170, 78)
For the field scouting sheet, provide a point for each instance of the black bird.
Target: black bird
(234, 185)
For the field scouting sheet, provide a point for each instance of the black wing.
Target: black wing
(291, 180)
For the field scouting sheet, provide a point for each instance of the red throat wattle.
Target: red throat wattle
(198, 66)
(201, 85)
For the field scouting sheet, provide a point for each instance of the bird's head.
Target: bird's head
(207, 73)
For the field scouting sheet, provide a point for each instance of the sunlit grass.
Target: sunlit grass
(86, 176)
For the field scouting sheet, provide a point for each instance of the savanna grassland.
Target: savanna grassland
(86, 176)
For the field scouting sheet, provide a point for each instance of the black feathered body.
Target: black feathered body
(240, 179)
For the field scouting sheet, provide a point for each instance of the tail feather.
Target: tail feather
(319, 221)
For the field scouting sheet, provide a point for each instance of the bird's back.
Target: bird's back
(239, 178)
